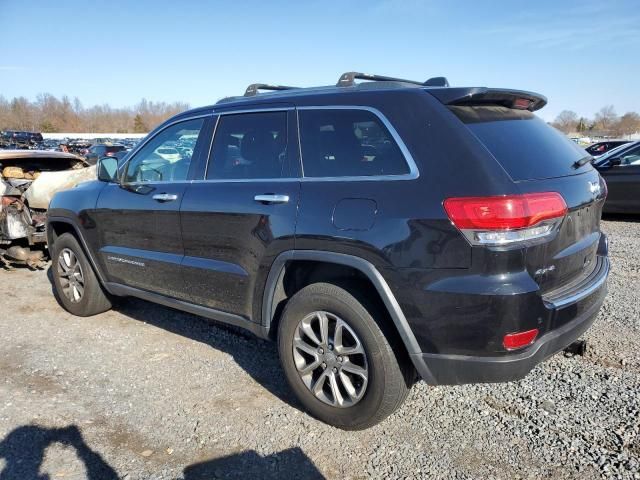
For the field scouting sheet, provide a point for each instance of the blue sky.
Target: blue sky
(582, 55)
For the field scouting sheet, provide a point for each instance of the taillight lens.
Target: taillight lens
(513, 341)
(506, 219)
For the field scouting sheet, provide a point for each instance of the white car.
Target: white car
(169, 154)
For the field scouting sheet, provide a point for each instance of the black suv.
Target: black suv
(381, 231)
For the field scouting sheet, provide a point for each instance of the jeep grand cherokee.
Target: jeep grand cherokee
(380, 231)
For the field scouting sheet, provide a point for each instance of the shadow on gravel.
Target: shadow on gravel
(23, 450)
(290, 464)
(259, 358)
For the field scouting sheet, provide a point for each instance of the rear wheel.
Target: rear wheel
(76, 285)
(337, 359)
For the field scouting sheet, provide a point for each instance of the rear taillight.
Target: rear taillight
(506, 219)
(109, 154)
(513, 341)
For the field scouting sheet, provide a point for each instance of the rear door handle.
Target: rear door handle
(271, 198)
(165, 197)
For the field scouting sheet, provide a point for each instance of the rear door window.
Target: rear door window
(249, 146)
(348, 143)
(526, 147)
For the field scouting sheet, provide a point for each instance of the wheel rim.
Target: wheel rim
(330, 359)
(71, 276)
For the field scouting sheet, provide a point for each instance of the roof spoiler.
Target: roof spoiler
(517, 99)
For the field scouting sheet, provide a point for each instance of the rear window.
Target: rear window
(348, 143)
(526, 147)
(114, 148)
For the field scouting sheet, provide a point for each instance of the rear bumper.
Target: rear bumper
(582, 307)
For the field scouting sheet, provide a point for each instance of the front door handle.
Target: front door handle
(165, 197)
(271, 198)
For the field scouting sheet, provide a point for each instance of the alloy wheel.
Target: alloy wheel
(330, 359)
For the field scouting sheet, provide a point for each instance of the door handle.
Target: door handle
(165, 197)
(271, 198)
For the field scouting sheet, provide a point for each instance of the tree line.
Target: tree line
(49, 114)
(606, 122)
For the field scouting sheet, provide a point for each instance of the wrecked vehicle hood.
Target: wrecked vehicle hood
(39, 194)
(37, 175)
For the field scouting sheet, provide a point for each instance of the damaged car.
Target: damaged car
(28, 180)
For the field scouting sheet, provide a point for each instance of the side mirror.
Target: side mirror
(107, 168)
(614, 162)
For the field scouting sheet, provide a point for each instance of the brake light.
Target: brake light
(513, 341)
(521, 103)
(109, 154)
(506, 219)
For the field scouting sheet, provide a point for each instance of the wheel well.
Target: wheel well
(58, 228)
(297, 274)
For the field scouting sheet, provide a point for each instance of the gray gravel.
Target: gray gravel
(145, 392)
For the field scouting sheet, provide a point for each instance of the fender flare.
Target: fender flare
(83, 244)
(278, 269)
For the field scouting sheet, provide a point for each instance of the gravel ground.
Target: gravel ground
(145, 392)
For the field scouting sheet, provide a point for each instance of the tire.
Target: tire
(389, 376)
(87, 296)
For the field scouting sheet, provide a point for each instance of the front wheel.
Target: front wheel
(338, 361)
(77, 288)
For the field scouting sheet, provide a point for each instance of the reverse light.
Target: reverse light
(506, 219)
(513, 341)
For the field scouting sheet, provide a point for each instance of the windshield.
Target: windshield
(615, 151)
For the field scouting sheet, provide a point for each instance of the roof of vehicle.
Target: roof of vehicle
(437, 86)
(40, 154)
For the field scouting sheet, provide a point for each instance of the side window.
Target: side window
(632, 157)
(348, 143)
(249, 146)
(167, 156)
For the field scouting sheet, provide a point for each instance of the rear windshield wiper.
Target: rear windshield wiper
(582, 162)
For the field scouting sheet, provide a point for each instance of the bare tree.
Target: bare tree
(51, 114)
(628, 124)
(606, 118)
(566, 121)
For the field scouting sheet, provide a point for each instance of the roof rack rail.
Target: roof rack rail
(348, 79)
(252, 89)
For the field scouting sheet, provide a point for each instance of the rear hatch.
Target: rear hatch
(540, 159)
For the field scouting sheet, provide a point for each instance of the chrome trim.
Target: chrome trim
(300, 162)
(254, 110)
(600, 280)
(413, 168)
(271, 198)
(149, 137)
(165, 197)
(246, 180)
(213, 137)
